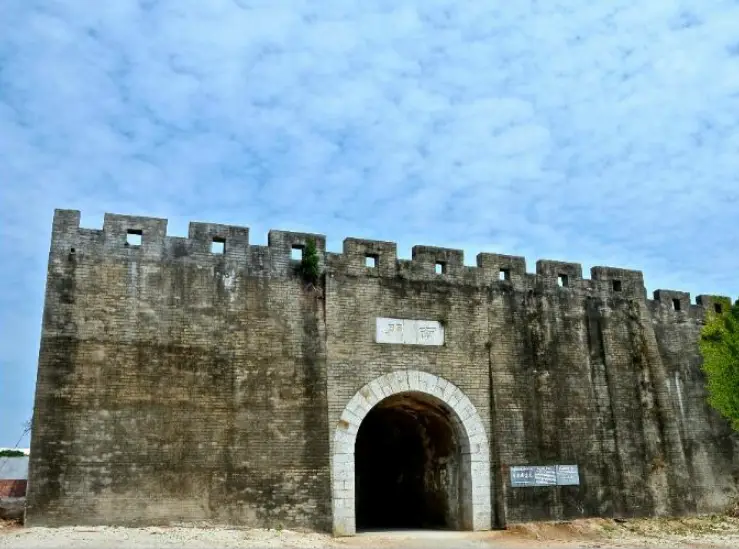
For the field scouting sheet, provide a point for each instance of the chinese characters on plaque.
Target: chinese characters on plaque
(409, 332)
(544, 475)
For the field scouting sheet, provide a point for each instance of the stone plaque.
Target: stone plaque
(409, 332)
(389, 330)
(568, 475)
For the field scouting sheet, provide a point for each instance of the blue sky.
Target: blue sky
(601, 132)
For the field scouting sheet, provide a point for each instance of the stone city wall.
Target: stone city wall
(201, 378)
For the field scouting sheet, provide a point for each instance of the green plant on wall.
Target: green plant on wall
(309, 264)
(719, 346)
(11, 453)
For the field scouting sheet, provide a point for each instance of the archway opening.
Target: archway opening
(409, 465)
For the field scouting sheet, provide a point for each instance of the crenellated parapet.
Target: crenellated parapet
(677, 304)
(137, 238)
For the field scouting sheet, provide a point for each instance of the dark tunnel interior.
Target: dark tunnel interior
(407, 466)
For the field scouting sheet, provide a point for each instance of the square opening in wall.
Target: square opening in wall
(717, 308)
(676, 304)
(370, 261)
(563, 281)
(133, 237)
(504, 274)
(616, 285)
(218, 246)
(440, 268)
(296, 254)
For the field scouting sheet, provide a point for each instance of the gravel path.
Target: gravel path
(592, 534)
(202, 538)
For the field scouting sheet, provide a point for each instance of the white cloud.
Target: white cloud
(604, 133)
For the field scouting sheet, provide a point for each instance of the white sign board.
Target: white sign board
(409, 332)
(568, 475)
(544, 475)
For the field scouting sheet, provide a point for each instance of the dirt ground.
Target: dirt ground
(688, 533)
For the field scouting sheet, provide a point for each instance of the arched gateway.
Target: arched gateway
(410, 444)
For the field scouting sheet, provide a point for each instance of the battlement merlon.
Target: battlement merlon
(359, 257)
(716, 303)
(626, 282)
(559, 273)
(235, 240)
(676, 300)
(65, 229)
(502, 267)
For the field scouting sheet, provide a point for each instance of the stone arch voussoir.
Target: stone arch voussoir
(473, 439)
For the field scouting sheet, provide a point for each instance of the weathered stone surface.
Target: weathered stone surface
(12, 508)
(176, 384)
